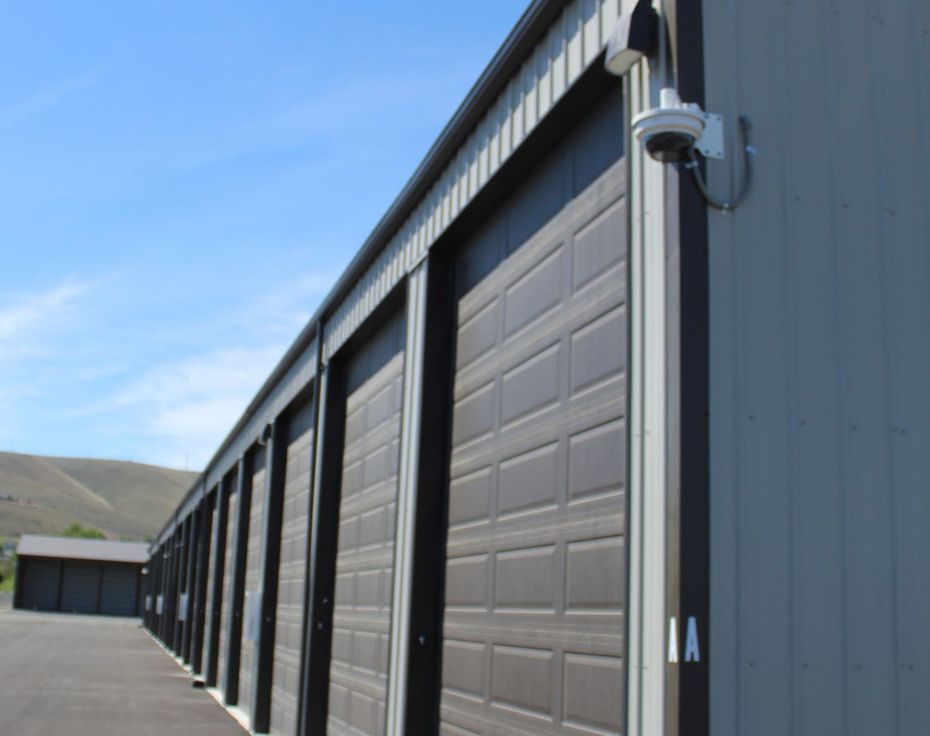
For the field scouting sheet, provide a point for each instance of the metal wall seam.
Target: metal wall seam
(406, 498)
(578, 37)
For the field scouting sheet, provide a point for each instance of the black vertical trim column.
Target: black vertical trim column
(181, 586)
(168, 556)
(234, 648)
(689, 341)
(275, 459)
(200, 587)
(193, 554)
(156, 591)
(424, 637)
(219, 571)
(162, 587)
(324, 526)
(177, 566)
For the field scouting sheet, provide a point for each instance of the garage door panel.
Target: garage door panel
(574, 316)
(596, 409)
(40, 584)
(535, 550)
(595, 256)
(588, 519)
(367, 521)
(535, 293)
(79, 587)
(118, 590)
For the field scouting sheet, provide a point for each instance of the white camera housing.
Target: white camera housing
(670, 131)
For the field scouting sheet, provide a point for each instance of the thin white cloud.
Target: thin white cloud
(285, 309)
(194, 402)
(26, 313)
(46, 99)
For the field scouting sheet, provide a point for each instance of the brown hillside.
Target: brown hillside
(122, 499)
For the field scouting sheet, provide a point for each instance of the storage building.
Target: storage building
(575, 447)
(79, 575)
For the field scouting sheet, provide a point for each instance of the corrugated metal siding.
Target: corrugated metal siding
(558, 60)
(820, 358)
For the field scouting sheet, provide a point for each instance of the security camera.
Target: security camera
(670, 131)
(675, 131)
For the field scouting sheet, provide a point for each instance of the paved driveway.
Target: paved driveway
(65, 674)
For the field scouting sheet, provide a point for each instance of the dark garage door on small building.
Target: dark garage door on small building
(39, 584)
(79, 575)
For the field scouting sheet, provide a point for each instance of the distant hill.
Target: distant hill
(42, 495)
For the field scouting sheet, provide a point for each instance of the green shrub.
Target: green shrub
(76, 530)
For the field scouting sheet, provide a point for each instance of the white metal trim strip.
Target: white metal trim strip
(414, 354)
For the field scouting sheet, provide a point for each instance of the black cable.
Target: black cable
(748, 151)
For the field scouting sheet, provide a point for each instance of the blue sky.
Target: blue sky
(180, 185)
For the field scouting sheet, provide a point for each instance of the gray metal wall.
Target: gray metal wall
(820, 360)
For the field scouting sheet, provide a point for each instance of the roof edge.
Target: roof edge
(529, 29)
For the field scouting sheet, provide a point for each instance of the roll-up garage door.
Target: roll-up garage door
(40, 584)
(289, 616)
(225, 603)
(533, 625)
(252, 579)
(79, 587)
(367, 511)
(118, 590)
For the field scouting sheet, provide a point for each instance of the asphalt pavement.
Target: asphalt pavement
(75, 675)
